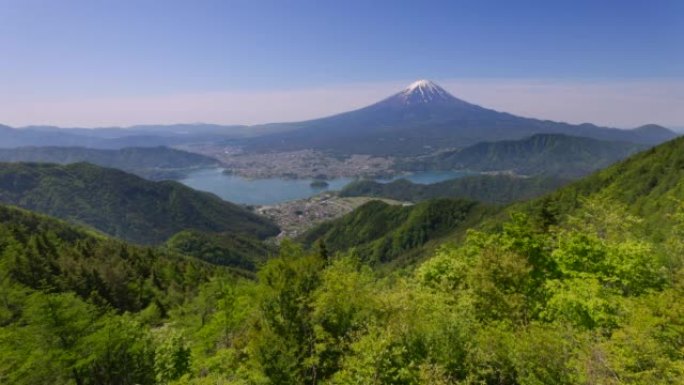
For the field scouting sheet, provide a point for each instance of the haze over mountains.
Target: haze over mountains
(148, 162)
(116, 137)
(419, 119)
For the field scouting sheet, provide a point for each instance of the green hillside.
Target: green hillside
(381, 233)
(498, 189)
(650, 185)
(243, 253)
(43, 253)
(151, 163)
(77, 308)
(557, 155)
(121, 204)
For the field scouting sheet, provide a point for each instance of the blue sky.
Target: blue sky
(59, 54)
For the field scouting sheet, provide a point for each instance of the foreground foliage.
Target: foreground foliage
(78, 308)
(590, 300)
(586, 302)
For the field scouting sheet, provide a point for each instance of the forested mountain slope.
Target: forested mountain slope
(242, 253)
(77, 307)
(381, 233)
(121, 204)
(498, 189)
(43, 253)
(556, 155)
(650, 185)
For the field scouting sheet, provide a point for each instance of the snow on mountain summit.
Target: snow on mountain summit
(422, 84)
(423, 92)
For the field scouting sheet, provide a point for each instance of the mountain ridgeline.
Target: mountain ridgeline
(118, 137)
(553, 155)
(420, 119)
(121, 204)
(424, 118)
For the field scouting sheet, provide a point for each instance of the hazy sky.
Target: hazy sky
(118, 62)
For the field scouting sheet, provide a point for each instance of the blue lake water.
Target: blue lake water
(237, 189)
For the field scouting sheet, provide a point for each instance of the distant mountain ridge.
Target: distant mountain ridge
(123, 205)
(420, 119)
(656, 132)
(148, 162)
(557, 155)
(650, 184)
(120, 137)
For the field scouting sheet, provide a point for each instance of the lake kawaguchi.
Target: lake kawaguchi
(268, 191)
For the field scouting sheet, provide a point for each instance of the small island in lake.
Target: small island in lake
(319, 184)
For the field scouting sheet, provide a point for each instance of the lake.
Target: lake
(268, 191)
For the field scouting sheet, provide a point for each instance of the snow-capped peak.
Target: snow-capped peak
(424, 91)
(422, 84)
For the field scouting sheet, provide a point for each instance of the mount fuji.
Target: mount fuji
(422, 118)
